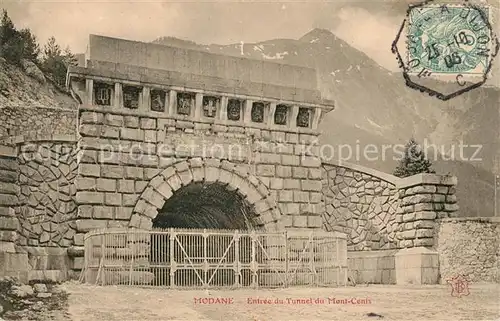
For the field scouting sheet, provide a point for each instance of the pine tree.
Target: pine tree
(16, 45)
(56, 61)
(413, 162)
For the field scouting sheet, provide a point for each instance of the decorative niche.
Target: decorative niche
(304, 117)
(234, 109)
(131, 96)
(281, 114)
(158, 100)
(185, 103)
(211, 106)
(103, 93)
(258, 112)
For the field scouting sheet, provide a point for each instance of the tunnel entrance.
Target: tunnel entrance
(205, 207)
(200, 205)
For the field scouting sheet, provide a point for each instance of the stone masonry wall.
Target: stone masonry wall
(9, 191)
(362, 204)
(121, 152)
(378, 211)
(469, 247)
(47, 206)
(33, 123)
(424, 198)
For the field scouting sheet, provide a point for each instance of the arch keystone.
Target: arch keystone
(211, 174)
(196, 162)
(198, 173)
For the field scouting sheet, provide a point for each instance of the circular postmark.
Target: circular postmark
(447, 49)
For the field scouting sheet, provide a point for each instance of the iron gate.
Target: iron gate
(193, 258)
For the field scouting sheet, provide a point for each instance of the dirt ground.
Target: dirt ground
(87, 302)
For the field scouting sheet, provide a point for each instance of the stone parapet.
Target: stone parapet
(469, 247)
(416, 266)
(381, 211)
(361, 203)
(28, 124)
(423, 199)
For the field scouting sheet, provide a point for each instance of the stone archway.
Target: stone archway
(234, 179)
(206, 205)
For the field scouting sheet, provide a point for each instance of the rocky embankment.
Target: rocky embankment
(35, 301)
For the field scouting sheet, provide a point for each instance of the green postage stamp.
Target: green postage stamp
(449, 39)
(450, 43)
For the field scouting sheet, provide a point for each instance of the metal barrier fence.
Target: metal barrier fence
(193, 258)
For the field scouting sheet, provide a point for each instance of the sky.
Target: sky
(369, 25)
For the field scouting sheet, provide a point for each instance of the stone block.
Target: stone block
(104, 212)
(292, 138)
(285, 196)
(131, 121)
(78, 239)
(90, 170)
(111, 171)
(315, 173)
(412, 266)
(291, 183)
(9, 188)
(290, 160)
(266, 170)
(9, 223)
(276, 183)
(300, 172)
(310, 185)
(89, 225)
(109, 132)
(123, 213)
(300, 197)
(140, 186)
(85, 211)
(125, 186)
(150, 136)
(85, 183)
(113, 120)
(130, 199)
(8, 200)
(309, 161)
(148, 123)
(300, 221)
(134, 172)
(283, 171)
(87, 117)
(269, 158)
(113, 199)
(106, 185)
(315, 197)
(287, 220)
(425, 215)
(451, 207)
(165, 190)
(289, 208)
(314, 221)
(133, 134)
(89, 198)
